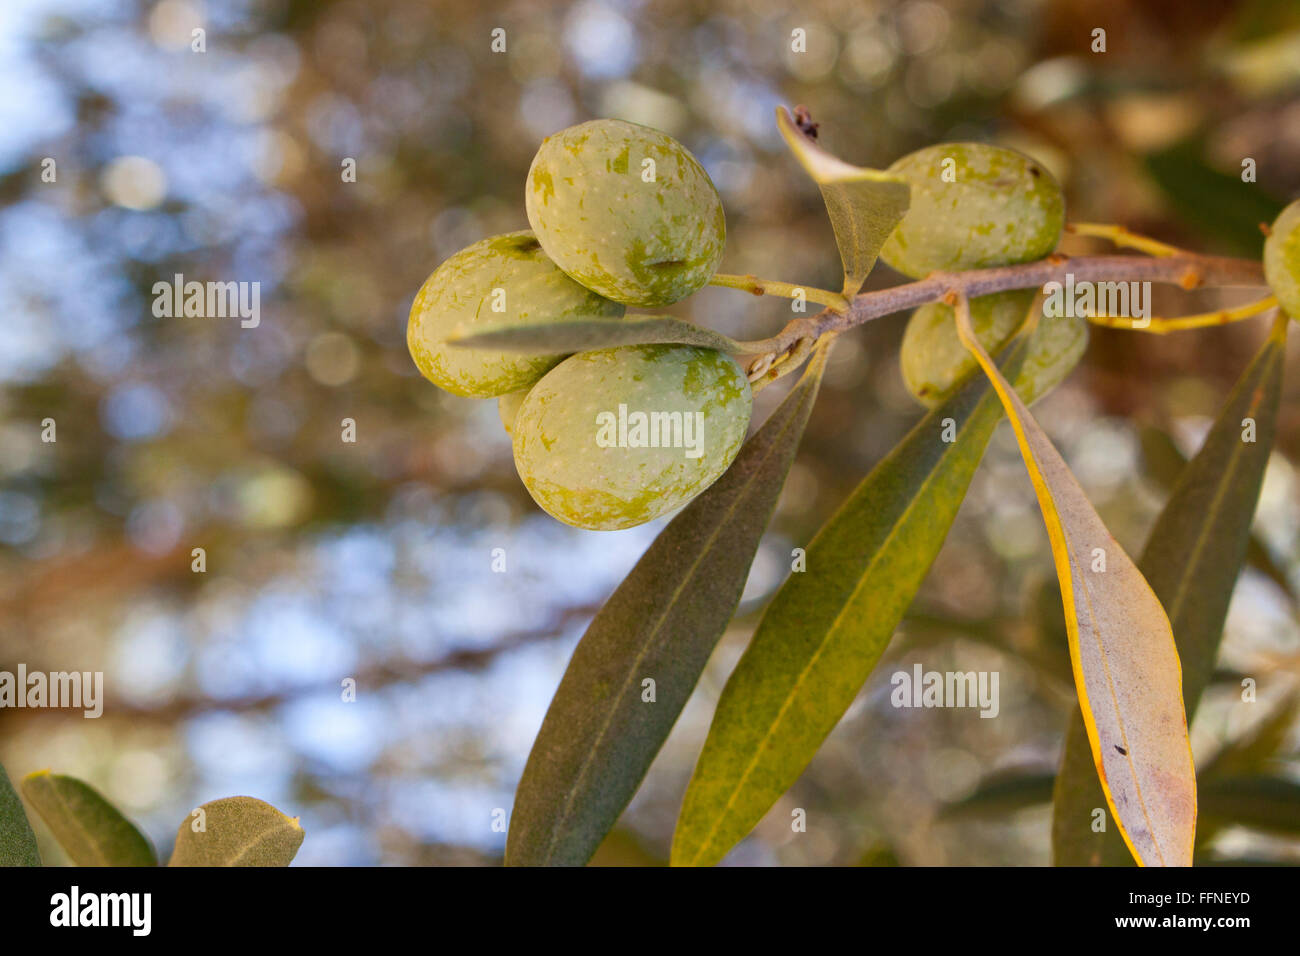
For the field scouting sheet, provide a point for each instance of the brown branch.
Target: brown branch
(1188, 271)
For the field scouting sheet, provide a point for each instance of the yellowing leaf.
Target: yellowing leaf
(864, 204)
(237, 831)
(1126, 667)
(1191, 560)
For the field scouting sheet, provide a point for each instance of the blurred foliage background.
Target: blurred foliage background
(328, 560)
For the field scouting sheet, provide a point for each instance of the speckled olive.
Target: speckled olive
(934, 360)
(627, 211)
(495, 282)
(508, 407)
(612, 438)
(1282, 259)
(973, 205)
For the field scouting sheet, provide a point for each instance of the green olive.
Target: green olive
(1282, 259)
(627, 211)
(508, 407)
(973, 205)
(612, 438)
(934, 360)
(498, 281)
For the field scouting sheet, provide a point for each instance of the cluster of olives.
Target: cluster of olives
(975, 206)
(621, 215)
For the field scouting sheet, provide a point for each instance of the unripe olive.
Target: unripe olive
(973, 205)
(615, 437)
(627, 211)
(932, 356)
(497, 281)
(1282, 259)
(1056, 348)
(934, 360)
(508, 407)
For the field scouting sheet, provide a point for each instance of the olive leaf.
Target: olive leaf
(662, 623)
(1267, 803)
(236, 831)
(17, 842)
(1212, 201)
(88, 827)
(878, 853)
(1241, 758)
(1126, 668)
(824, 631)
(1191, 560)
(1247, 753)
(1000, 795)
(864, 204)
(1164, 463)
(586, 334)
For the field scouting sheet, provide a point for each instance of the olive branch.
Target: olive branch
(784, 352)
(1140, 654)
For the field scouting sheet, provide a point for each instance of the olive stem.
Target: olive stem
(1122, 237)
(1188, 270)
(1163, 326)
(756, 286)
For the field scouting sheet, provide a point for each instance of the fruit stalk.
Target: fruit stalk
(790, 290)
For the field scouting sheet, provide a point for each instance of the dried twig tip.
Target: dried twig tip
(803, 119)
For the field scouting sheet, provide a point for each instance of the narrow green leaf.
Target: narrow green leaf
(1079, 805)
(864, 204)
(1001, 795)
(1252, 751)
(1271, 804)
(1163, 462)
(585, 335)
(878, 853)
(826, 628)
(599, 737)
(17, 842)
(236, 831)
(1217, 202)
(1239, 861)
(1191, 561)
(1246, 756)
(88, 827)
